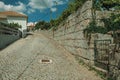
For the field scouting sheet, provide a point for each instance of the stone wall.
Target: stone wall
(70, 33)
(114, 61)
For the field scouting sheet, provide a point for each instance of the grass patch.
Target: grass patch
(99, 73)
(90, 68)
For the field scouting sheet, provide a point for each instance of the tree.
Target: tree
(14, 25)
(72, 7)
(107, 4)
(42, 25)
(111, 24)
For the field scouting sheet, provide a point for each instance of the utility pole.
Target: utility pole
(55, 2)
(51, 22)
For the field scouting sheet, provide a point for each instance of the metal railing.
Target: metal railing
(8, 30)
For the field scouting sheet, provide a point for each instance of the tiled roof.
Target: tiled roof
(13, 14)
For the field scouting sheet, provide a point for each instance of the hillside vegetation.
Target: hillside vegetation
(97, 5)
(72, 7)
(110, 24)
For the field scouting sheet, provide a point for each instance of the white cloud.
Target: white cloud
(1, 6)
(29, 11)
(40, 4)
(59, 2)
(19, 8)
(53, 9)
(32, 6)
(44, 4)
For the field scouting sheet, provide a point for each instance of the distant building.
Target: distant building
(14, 17)
(30, 26)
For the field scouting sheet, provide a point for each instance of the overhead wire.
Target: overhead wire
(43, 16)
(46, 13)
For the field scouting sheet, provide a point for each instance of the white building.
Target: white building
(14, 17)
(30, 26)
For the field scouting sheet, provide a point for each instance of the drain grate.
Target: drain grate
(45, 61)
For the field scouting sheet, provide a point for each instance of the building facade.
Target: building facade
(14, 17)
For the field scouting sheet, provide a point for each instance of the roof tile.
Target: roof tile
(12, 13)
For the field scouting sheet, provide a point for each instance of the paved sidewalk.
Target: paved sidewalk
(22, 61)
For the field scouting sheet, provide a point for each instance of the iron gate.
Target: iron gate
(101, 49)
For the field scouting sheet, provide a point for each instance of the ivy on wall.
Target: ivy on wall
(110, 24)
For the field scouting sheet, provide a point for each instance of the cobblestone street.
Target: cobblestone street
(22, 61)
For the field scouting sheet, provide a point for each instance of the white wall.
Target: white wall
(20, 20)
(5, 40)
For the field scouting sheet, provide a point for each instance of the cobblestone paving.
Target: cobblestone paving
(21, 61)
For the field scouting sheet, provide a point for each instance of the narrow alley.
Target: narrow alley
(37, 57)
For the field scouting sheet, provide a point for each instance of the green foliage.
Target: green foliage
(79, 3)
(12, 25)
(72, 7)
(99, 73)
(107, 4)
(90, 68)
(42, 25)
(93, 28)
(111, 1)
(111, 23)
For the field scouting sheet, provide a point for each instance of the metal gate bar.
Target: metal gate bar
(101, 53)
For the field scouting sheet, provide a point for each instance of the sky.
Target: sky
(36, 10)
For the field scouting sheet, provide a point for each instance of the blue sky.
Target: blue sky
(35, 9)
